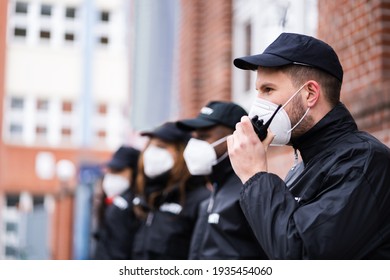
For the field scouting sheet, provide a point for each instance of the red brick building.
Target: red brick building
(359, 31)
(205, 53)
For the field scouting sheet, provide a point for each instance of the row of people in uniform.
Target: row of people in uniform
(179, 197)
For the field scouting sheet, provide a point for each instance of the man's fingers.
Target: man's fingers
(246, 151)
(246, 125)
(247, 128)
(230, 143)
(267, 141)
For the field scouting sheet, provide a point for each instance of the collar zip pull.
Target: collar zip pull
(295, 159)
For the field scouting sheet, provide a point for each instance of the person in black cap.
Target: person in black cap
(168, 197)
(119, 224)
(222, 231)
(338, 205)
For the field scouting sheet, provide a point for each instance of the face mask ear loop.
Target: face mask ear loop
(216, 143)
(288, 101)
(219, 141)
(304, 115)
(221, 158)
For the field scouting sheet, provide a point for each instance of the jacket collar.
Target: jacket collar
(336, 123)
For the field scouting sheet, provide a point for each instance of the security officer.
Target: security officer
(222, 231)
(168, 197)
(116, 234)
(337, 206)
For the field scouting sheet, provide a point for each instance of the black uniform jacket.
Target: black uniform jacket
(222, 231)
(116, 235)
(338, 207)
(167, 231)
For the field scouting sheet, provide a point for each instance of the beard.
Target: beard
(298, 111)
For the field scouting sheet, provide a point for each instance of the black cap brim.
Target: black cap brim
(192, 124)
(159, 135)
(252, 62)
(116, 164)
(168, 132)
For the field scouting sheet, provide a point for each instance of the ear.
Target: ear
(313, 90)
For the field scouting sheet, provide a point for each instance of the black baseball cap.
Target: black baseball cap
(168, 132)
(214, 113)
(124, 157)
(292, 48)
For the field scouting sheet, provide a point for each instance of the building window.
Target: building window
(17, 103)
(102, 109)
(105, 16)
(11, 227)
(66, 132)
(41, 130)
(16, 129)
(11, 251)
(70, 12)
(103, 40)
(38, 200)
(21, 7)
(67, 106)
(69, 37)
(13, 200)
(46, 10)
(101, 134)
(42, 105)
(20, 32)
(44, 34)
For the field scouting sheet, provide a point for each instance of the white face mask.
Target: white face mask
(157, 161)
(281, 124)
(200, 156)
(114, 184)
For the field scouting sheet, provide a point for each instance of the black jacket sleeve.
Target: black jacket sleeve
(337, 223)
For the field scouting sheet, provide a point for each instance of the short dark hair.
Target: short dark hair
(300, 74)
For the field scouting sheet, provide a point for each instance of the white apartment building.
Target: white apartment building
(67, 73)
(66, 87)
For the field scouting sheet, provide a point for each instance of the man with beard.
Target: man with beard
(338, 205)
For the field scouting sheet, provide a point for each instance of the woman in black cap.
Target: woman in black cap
(118, 223)
(168, 196)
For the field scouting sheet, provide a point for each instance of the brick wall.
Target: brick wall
(359, 32)
(205, 53)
